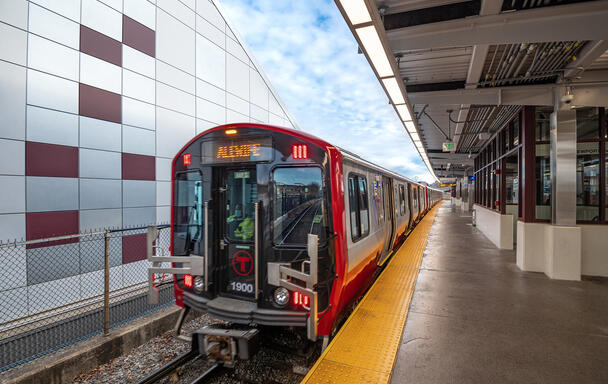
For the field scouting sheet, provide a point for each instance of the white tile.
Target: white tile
(139, 141)
(53, 294)
(56, 59)
(210, 62)
(53, 127)
(178, 10)
(100, 193)
(258, 89)
(53, 26)
(12, 157)
(93, 219)
(136, 272)
(209, 111)
(13, 267)
(163, 169)
(174, 77)
(12, 101)
(138, 193)
(163, 215)
(13, 44)
(173, 130)
(206, 9)
(137, 113)
(189, 3)
(274, 105)
(173, 98)
(137, 61)
(235, 117)
(45, 194)
(235, 49)
(210, 32)
(141, 11)
(92, 283)
(203, 125)
(210, 92)
(52, 92)
(12, 227)
(13, 304)
(100, 134)
(99, 73)
(138, 217)
(115, 4)
(12, 194)
(237, 77)
(102, 18)
(99, 164)
(237, 104)
(14, 12)
(163, 193)
(67, 8)
(230, 34)
(274, 119)
(258, 113)
(174, 42)
(137, 86)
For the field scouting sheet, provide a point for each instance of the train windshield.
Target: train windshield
(188, 213)
(298, 205)
(242, 193)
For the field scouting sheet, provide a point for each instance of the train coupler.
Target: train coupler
(227, 345)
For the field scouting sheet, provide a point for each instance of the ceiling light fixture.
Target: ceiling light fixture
(375, 51)
(393, 90)
(356, 11)
(410, 126)
(404, 112)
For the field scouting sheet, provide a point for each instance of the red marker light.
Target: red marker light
(300, 299)
(188, 281)
(299, 151)
(187, 159)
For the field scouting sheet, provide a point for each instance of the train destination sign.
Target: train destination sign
(236, 150)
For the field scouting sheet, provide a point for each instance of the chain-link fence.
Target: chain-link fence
(56, 291)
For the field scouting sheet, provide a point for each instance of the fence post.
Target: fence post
(106, 283)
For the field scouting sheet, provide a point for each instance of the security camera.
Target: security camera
(567, 99)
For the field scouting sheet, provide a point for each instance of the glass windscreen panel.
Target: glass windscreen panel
(188, 211)
(241, 196)
(298, 205)
(236, 150)
(588, 181)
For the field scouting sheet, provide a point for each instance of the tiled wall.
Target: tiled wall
(96, 97)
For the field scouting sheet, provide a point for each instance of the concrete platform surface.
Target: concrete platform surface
(476, 318)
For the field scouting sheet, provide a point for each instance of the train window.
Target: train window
(401, 199)
(241, 195)
(188, 211)
(358, 199)
(298, 205)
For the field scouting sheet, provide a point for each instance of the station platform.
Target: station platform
(471, 316)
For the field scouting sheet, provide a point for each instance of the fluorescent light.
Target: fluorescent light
(356, 11)
(415, 136)
(375, 51)
(393, 90)
(409, 125)
(404, 112)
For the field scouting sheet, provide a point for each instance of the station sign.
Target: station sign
(449, 146)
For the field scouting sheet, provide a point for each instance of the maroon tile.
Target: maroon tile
(138, 167)
(133, 248)
(101, 46)
(40, 225)
(138, 36)
(99, 104)
(50, 160)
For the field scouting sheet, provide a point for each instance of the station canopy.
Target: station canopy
(457, 71)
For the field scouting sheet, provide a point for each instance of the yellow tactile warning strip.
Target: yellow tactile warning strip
(365, 348)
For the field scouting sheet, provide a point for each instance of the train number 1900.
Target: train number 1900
(241, 287)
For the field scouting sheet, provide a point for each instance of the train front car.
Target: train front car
(253, 202)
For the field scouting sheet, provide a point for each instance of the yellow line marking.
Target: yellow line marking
(365, 348)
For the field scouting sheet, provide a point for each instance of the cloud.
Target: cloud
(310, 56)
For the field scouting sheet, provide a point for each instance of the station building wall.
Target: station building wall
(96, 97)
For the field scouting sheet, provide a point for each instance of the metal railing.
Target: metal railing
(57, 291)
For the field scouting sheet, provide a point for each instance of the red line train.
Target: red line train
(284, 228)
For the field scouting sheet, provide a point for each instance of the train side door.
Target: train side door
(389, 217)
(238, 195)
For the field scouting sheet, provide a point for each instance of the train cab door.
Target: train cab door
(237, 194)
(389, 217)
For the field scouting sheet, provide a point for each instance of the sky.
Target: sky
(310, 56)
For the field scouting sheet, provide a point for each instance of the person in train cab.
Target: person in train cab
(244, 229)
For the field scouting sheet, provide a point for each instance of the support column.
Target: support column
(563, 238)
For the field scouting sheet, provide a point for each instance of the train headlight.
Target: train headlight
(199, 284)
(281, 296)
